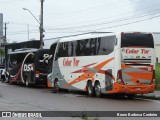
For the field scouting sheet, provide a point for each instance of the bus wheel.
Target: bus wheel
(97, 89)
(90, 89)
(3, 78)
(56, 85)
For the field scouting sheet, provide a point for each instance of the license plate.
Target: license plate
(137, 88)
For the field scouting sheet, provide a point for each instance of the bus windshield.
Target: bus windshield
(137, 40)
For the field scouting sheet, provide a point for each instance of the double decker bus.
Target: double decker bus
(28, 66)
(105, 63)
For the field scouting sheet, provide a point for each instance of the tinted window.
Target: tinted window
(74, 43)
(70, 49)
(53, 48)
(62, 50)
(15, 60)
(105, 45)
(135, 39)
(87, 47)
(30, 58)
(93, 43)
(83, 47)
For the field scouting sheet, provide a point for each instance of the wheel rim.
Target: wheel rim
(90, 89)
(98, 89)
(27, 83)
(57, 85)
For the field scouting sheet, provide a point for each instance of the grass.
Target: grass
(85, 117)
(89, 118)
(152, 97)
(157, 76)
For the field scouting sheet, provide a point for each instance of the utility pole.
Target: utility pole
(6, 47)
(5, 33)
(40, 21)
(41, 26)
(28, 31)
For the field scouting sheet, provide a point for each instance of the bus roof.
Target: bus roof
(23, 50)
(86, 36)
(90, 35)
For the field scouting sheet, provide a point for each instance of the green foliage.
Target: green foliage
(84, 117)
(1, 51)
(151, 97)
(157, 76)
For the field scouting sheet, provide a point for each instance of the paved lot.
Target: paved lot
(20, 98)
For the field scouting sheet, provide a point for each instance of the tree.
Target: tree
(1, 51)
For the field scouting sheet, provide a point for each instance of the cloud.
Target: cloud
(144, 6)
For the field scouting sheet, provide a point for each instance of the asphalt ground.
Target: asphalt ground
(20, 98)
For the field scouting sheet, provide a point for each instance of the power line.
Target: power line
(129, 23)
(108, 6)
(139, 17)
(106, 18)
(113, 26)
(23, 24)
(113, 21)
(63, 28)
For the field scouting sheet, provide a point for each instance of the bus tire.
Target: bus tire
(2, 78)
(89, 89)
(97, 89)
(56, 85)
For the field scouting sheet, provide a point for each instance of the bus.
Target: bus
(28, 66)
(105, 63)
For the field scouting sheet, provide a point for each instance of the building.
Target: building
(156, 36)
(27, 44)
(1, 24)
(1, 39)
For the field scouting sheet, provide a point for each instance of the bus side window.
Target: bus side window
(65, 49)
(74, 43)
(98, 43)
(87, 50)
(93, 43)
(62, 50)
(83, 48)
(70, 49)
(107, 45)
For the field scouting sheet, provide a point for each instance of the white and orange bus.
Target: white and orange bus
(104, 63)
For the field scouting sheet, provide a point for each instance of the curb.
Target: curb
(152, 96)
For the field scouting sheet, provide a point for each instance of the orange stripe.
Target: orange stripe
(88, 75)
(49, 84)
(125, 66)
(80, 78)
(140, 75)
(103, 63)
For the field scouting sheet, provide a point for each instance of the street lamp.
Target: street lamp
(40, 28)
(32, 14)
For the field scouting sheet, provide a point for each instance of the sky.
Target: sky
(70, 17)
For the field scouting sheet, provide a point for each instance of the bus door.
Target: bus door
(51, 63)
